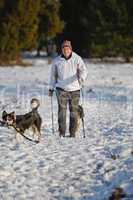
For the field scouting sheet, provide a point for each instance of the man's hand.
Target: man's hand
(50, 93)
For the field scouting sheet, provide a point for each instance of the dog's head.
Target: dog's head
(9, 118)
(80, 111)
(34, 103)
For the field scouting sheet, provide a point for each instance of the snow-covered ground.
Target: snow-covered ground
(69, 168)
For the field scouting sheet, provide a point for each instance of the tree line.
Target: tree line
(96, 28)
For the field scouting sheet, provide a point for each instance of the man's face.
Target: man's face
(66, 51)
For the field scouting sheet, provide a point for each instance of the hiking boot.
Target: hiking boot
(61, 134)
(72, 134)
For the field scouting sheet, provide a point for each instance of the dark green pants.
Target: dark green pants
(70, 99)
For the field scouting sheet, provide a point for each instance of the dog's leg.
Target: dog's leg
(36, 132)
(39, 134)
(38, 127)
(78, 128)
(18, 137)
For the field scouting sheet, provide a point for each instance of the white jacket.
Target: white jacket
(68, 74)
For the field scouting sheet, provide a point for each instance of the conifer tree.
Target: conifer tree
(103, 27)
(50, 23)
(111, 28)
(27, 24)
(19, 24)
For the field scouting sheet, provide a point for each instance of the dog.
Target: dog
(80, 116)
(20, 123)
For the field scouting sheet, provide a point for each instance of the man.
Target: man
(68, 73)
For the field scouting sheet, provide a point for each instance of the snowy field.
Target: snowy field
(88, 168)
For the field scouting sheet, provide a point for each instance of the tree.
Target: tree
(27, 24)
(19, 24)
(76, 23)
(95, 26)
(112, 23)
(50, 23)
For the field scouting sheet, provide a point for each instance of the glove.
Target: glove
(51, 92)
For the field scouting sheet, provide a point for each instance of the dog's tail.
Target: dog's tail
(34, 104)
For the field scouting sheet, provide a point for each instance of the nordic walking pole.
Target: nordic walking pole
(82, 94)
(83, 124)
(52, 114)
(83, 127)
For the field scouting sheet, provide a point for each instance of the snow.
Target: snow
(69, 168)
